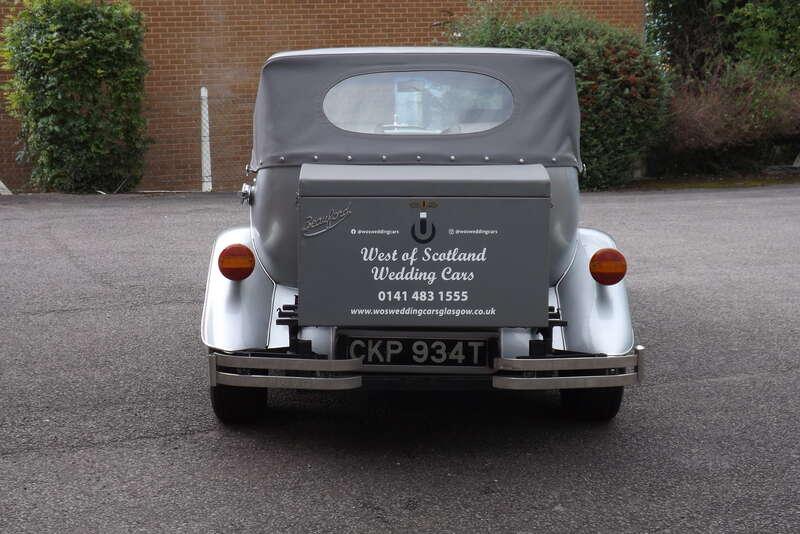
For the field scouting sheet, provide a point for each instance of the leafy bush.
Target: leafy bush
(699, 36)
(767, 34)
(621, 87)
(736, 66)
(736, 119)
(692, 35)
(77, 87)
(740, 106)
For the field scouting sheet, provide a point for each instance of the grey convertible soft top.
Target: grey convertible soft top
(290, 127)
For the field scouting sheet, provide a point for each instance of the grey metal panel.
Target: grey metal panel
(273, 217)
(235, 314)
(558, 331)
(516, 341)
(598, 317)
(322, 338)
(290, 127)
(279, 334)
(424, 181)
(565, 197)
(511, 277)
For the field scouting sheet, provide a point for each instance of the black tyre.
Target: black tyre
(238, 405)
(593, 404)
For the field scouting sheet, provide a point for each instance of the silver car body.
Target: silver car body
(293, 138)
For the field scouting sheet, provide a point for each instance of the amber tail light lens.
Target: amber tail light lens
(608, 266)
(236, 262)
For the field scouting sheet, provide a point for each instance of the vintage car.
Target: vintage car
(414, 224)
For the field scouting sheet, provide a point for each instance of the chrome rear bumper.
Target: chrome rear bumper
(524, 373)
(258, 372)
(261, 370)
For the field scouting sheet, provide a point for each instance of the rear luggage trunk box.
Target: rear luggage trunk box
(423, 246)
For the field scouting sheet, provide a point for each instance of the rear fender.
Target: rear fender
(236, 315)
(598, 317)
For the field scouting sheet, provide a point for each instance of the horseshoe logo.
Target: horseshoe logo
(423, 231)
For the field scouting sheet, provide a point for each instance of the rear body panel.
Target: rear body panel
(274, 220)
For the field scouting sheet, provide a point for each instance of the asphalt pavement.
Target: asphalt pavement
(105, 423)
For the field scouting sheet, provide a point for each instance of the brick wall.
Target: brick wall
(222, 43)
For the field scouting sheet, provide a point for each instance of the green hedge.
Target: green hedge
(699, 37)
(77, 87)
(736, 71)
(739, 118)
(621, 87)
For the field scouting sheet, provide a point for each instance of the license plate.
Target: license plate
(409, 351)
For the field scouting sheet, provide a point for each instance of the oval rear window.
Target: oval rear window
(418, 103)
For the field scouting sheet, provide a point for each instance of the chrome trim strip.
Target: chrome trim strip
(565, 364)
(212, 368)
(639, 351)
(566, 382)
(428, 369)
(477, 335)
(409, 50)
(289, 382)
(288, 364)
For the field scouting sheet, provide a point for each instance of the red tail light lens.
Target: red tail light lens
(608, 266)
(236, 262)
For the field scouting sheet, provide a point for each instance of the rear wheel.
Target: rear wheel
(592, 404)
(238, 405)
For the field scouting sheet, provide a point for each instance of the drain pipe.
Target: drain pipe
(205, 141)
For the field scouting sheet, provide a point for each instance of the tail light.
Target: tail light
(236, 262)
(608, 266)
